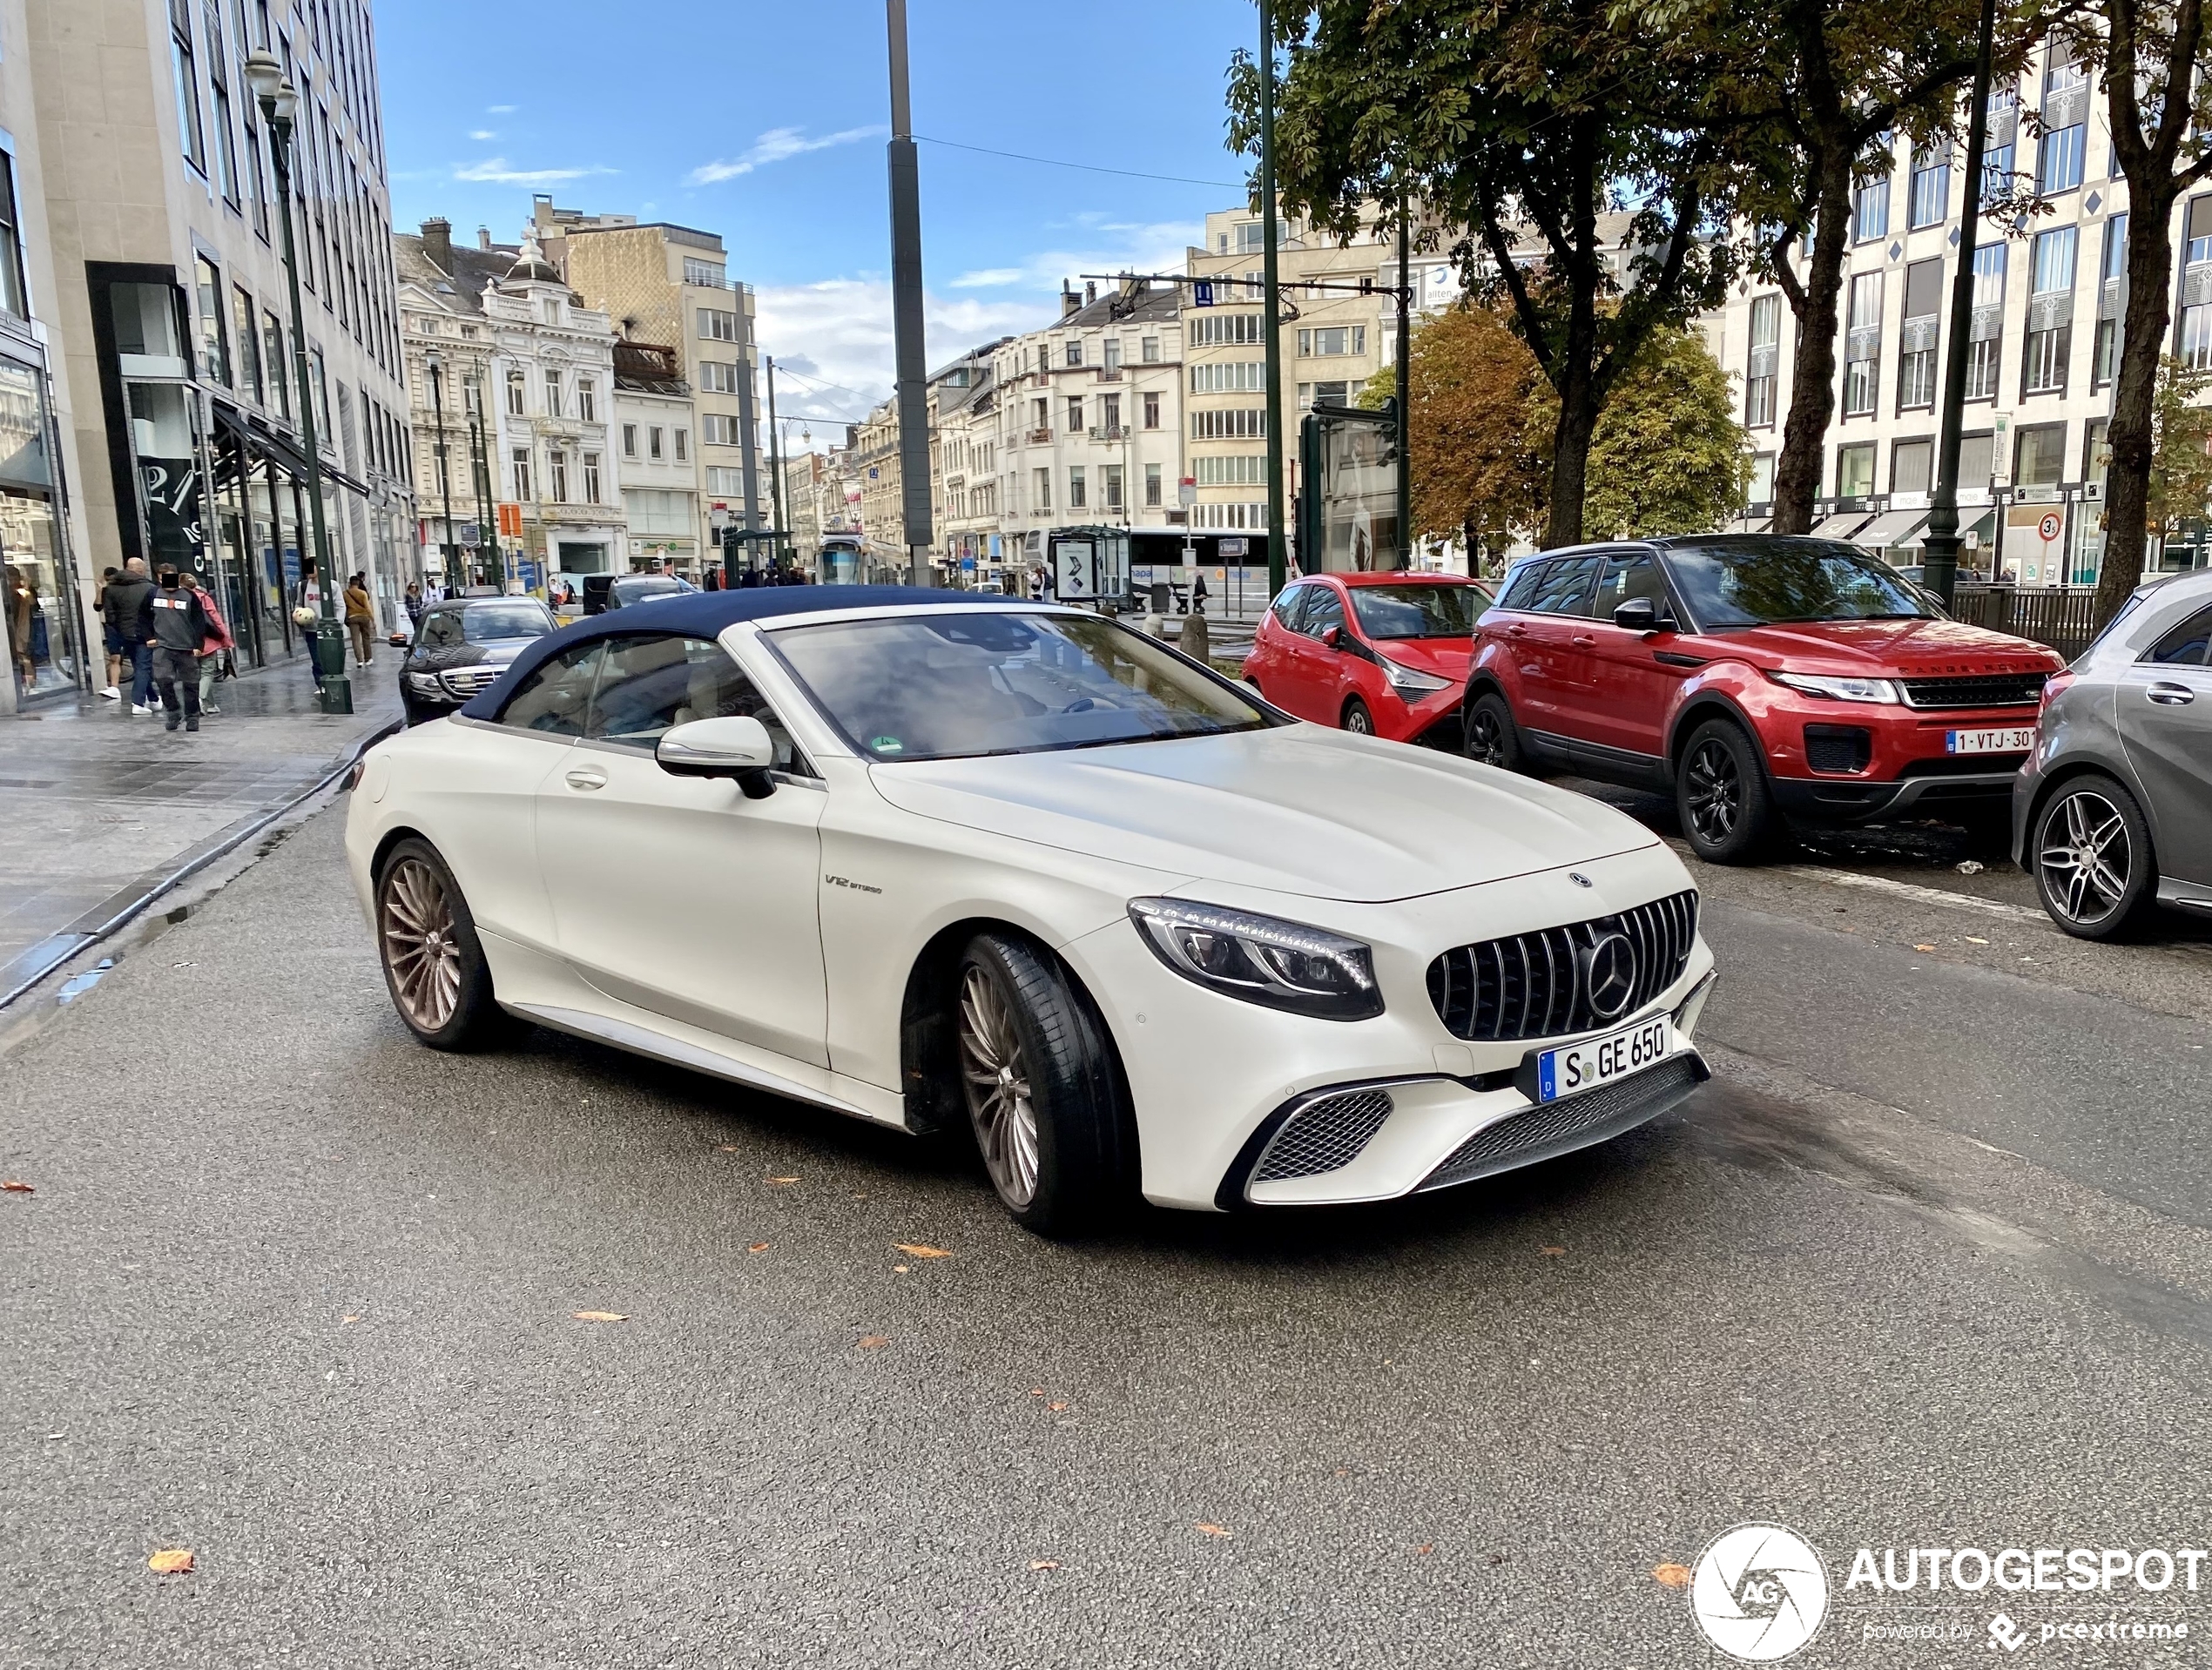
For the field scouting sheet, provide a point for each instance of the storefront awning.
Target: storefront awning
(281, 447)
(1842, 526)
(1892, 528)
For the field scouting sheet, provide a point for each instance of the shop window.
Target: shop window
(1912, 465)
(14, 298)
(2040, 460)
(1855, 471)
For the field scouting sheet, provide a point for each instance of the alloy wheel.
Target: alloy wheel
(996, 1075)
(2086, 863)
(1485, 739)
(1359, 721)
(1714, 790)
(416, 925)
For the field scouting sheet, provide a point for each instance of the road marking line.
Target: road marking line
(1921, 895)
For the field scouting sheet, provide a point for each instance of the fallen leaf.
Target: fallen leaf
(1675, 1576)
(870, 1342)
(1215, 1530)
(1923, 947)
(1056, 1408)
(1341, 1473)
(1497, 1560)
(1037, 1391)
(901, 1269)
(1044, 1565)
(727, 1148)
(15, 1188)
(783, 1180)
(343, 1320)
(1553, 1252)
(167, 1561)
(758, 1246)
(1972, 941)
(601, 1315)
(1426, 1547)
(920, 1252)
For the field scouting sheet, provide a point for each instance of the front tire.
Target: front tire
(1042, 1088)
(2093, 864)
(1357, 719)
(433, 964)
(1489, 737)
(1722, 795)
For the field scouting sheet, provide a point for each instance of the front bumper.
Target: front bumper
(1839, 800)
(1908, 768)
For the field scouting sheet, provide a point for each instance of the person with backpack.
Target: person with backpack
(219, 643)
(179, 631)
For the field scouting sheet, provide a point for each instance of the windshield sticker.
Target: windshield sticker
(886, 745)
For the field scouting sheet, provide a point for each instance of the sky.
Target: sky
(767, 122)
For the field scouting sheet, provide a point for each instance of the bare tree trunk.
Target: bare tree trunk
(1571, 438)
(1812, 378)
(2142, 338)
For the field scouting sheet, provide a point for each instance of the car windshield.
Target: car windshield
(944, 685)
(1417, 611)
(633, 590)
(489, 622)
(1756, 582)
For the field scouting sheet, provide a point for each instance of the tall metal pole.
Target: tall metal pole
(487, 500)
(445, 479)
(337, 690)
(1405, 379)
(1939, 546)
(1278, 530)
(775, 466)
(906, 310)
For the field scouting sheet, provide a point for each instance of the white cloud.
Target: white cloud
(501, 109)
(484, 133)
(990, 278)
(777, 145)
(493, 170)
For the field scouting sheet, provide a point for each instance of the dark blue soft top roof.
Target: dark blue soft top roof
(705, 614)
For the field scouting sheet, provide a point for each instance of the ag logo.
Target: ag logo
(1759, 1593)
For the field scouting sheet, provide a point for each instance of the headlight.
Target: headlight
(1842, 689)
(1261, 959)
(427, 683)
(1406, 681)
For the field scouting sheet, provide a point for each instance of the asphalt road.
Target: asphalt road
(1928, 1263)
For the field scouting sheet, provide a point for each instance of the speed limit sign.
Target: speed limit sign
(2049, 526)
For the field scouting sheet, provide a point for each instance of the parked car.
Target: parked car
(931, 858)
(2113, 809)
(1385, 654)
(1762, 680)
(605, 591)
(462, 646)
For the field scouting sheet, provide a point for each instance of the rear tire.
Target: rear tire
(1357, 719)
(2094, 868)
(1042, 1085)
(1489, 737)
(1722, 795)
(433, 964)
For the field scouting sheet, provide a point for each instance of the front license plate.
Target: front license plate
(2013, 739)
(1577, 1067)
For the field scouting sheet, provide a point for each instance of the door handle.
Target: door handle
(1585, 640)
(587, 777)
(2171, 695)
(1516, 630)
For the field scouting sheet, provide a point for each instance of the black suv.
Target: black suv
(462, 646)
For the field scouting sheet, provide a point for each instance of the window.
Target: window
(522, 468)
(219, 91)
(1761, 479)
(1237, 469)
(549, 309)
(1566, 587)
(587, 399)
(1324, 340)
(1044, 500)
(2058, 167)
(249, 357)
(1977, 461)
(654, 436)
(1869, 208)
(2065, 114)
(705, 273)
(280, 372)
(1233, 423)
(591, 478)
(716, 378)
(1997, 157)
(2096, 450)
(1113, 473)
(1916, 359)
(1984, 335)
(1151, 411)
(1929, 197)
(1912, 465)
(1151, 487)
(552, 393)
(1150, 350)
(1214, 330)
(186, 77)
(214, 351)
(1110, 413)
(1229, 377)
(629, 441)
(320, 385)
(1113, 354)
(1523, 584)
(2187, 644)
(1863, 345)
(555, 697)
(255, 180)
(2196, 336)
(556, 475)
(1759, 376)
(2050, 312)
(1077, 497)
(682, 439)
(2104, 362)
(648, 685)
(1855, 471)
(1075, 350)
(721, 479)
(514, 396)
(719, 429)
(718, 325)
(1040, 413)
(1623, 580)
(1312, 394)
(2040, 460)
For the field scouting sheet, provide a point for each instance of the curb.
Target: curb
(20, 975)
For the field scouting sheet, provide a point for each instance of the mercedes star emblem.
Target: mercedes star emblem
(1609, 974)
(1578, 878)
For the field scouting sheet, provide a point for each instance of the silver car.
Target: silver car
(2114, 806)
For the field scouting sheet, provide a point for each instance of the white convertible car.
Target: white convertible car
(927, 859)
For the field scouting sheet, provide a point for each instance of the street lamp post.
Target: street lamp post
(280, 103)
(436, 363)
(480, 478)
(1277, 535)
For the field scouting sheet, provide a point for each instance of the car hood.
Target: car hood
(1913, 649)
(1294, 809)
(1445, 657)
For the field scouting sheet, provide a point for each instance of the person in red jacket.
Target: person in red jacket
(217, 644)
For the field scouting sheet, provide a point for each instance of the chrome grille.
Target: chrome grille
(1531, 984)
(1558, 1128)
(466, 682)
(1994, 690)
(1324, 1135)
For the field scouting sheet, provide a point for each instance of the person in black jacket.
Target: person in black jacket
(126, 603)
(180, 628)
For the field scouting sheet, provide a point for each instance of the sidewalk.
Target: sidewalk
(103, 808)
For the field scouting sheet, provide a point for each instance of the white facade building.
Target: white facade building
(657, 461)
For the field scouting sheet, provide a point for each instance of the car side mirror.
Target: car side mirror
(1638, 614)
(1330, 636)
(736, 748)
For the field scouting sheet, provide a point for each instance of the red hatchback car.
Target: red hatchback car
(1382, 654)
(1760, 679)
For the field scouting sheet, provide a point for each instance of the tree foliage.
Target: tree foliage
(2180, 472)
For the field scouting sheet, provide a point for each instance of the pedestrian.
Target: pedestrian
(179, 631)
(116, 645)
(130, 614)
(1036, 585)
(413, 603)
(1198, 593)
(360, 615)
(220, 642)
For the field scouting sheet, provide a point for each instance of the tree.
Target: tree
(1670, 456)
(1532, 125)
(2180, 472)
(2159, 100)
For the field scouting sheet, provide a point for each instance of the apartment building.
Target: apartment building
(2042, 348)
(963, 461)
(170, 303)
(874, 462)
(663, 283)
(1090, 410)
(656, 461)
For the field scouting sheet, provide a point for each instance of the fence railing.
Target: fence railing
(2058, 615)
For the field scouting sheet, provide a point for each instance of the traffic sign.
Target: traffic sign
(2050, 527)
(510, 521)
(1202, 293)
(1187, 491)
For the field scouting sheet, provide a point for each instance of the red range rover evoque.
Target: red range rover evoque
(1759, 678)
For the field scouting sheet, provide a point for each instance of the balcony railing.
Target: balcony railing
(1039, 437)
